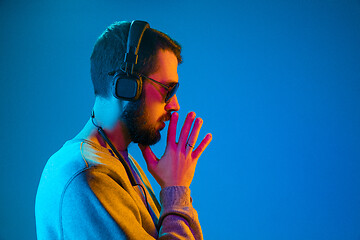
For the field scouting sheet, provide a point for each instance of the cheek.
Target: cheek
(152, 94)
(154, 105)
(154, 111)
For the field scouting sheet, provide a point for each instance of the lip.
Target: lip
(162, 126)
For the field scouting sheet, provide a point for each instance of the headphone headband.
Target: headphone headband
(136, 32)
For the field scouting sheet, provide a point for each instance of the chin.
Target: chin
(147, 139)
(156, 139)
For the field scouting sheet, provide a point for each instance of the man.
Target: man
(92, 188)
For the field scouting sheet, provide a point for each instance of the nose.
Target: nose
(173, 104)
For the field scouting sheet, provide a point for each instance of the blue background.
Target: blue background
(276, 82)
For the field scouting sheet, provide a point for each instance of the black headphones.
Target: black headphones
(127, 85)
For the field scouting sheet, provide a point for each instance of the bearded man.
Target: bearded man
(92, 188)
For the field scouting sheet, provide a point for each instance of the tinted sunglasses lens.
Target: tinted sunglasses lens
(172, 92)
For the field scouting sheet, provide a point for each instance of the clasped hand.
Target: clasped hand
(177, 166)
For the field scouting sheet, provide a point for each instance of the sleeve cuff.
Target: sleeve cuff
(175, 196)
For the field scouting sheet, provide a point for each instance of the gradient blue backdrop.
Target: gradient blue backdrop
(276, 82)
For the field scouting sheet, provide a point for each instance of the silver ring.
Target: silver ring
(190, 145)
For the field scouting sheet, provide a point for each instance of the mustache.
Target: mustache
(166, 117)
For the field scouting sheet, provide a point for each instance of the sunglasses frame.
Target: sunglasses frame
(171, 90)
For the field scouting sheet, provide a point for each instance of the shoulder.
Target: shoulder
(70, 180)
(79, 156)
(81, 160)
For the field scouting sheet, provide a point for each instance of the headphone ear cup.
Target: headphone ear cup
(127, 87)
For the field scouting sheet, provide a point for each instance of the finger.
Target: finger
(171, 137)
(194, 133)
(202, 146)
(149, 156)
(186, 129)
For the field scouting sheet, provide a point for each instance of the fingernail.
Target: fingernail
(191, 114)
(175, 114)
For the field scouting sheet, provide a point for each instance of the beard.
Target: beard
(136, 119)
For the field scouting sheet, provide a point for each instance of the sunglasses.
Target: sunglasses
(171, 90)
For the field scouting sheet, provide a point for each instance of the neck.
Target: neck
(118, 136)
(107, 116)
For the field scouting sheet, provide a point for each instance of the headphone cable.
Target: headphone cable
(121, 158)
